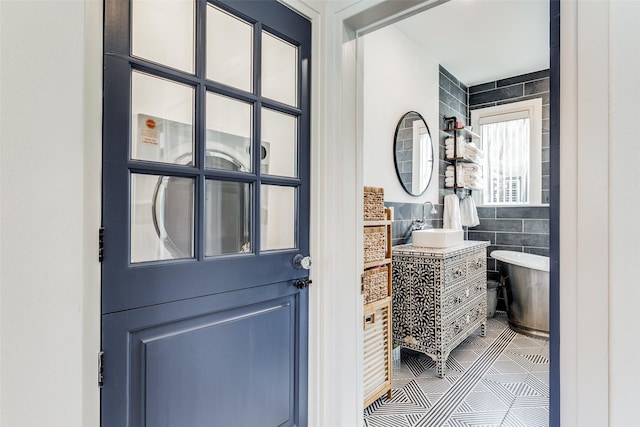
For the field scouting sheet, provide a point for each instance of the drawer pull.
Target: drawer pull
(478, 263)
(457, 272)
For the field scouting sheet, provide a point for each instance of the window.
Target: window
(511, 139)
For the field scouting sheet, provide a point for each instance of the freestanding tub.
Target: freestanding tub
(527, 292)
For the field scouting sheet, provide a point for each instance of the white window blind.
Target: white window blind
(511, 139)
(506, 140)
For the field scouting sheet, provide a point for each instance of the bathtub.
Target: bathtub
(526, 292)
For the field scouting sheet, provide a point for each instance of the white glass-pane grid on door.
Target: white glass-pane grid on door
(277, 217)
(162, 120)
(279, 144)
(228, 133)
(506, 164)
(163, 32)
(228, 210)
(161, 217)
(229, 49)
(279, 70)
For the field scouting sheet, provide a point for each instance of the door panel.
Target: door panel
(192, 363)
(204, 209)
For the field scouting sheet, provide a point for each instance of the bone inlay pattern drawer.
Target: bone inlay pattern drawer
(439, 297)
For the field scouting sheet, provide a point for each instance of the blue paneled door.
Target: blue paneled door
(205, 214)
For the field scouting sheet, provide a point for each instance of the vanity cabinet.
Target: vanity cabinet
(439, 297)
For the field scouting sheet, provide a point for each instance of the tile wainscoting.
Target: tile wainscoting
(520, 229)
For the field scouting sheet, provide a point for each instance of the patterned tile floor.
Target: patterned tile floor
(500, 380)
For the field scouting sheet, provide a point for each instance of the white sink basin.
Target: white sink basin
(437, 237)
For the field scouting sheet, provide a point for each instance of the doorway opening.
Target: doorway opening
(390, 66)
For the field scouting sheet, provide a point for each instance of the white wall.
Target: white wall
(624, 209)
(598, 240)
(47, 255)
(50, 133)
(398, 78)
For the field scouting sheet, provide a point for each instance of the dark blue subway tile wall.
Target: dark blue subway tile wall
(454, 101)
(536, 75)
(519, 229)
(519, 88)
(403, 216)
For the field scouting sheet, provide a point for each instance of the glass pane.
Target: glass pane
(279, 70)
(279, 144)
(163, 32)
(227, 217)
(161, 217)
(506, 163)
(162, 120)
(278, 217)
(229, 49)
(228, 133)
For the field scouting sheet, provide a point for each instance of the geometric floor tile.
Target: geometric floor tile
(484, 419)
(388, 421)
(521, 389)
(499, 380)
(531, 417)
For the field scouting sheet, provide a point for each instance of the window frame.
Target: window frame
(532, 109)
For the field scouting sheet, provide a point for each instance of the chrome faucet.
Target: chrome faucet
(433, 210)
(419, 224)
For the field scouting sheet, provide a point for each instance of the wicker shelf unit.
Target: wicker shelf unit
(376, 288)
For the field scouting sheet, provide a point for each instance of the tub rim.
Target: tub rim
(522, 259)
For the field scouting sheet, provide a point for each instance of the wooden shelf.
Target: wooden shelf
(461, 160)
(380, 263)
(377, 223)
(470, 133)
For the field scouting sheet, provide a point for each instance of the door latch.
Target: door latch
(302, 283)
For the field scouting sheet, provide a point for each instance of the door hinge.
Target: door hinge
(101, 369)
(101, 244)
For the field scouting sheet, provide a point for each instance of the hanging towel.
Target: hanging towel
(468, 212)
(451, 213)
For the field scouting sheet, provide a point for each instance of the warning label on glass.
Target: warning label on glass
(149, 130)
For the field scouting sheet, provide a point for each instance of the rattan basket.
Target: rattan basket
(374, 204)
(375, 244)
(376, 284)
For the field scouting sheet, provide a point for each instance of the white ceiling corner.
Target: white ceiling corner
(483, 40)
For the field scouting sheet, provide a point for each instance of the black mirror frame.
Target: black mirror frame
(395, 157)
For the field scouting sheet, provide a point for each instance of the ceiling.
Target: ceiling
(484, 40)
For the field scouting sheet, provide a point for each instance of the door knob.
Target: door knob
(302, 262)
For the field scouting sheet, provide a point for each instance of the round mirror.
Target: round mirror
(413, 153)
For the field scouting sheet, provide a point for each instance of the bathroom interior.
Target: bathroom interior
(430, 80)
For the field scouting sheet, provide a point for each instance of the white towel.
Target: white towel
(469, 156)
(451, 213)
(468, 212)
(472, 151)
(449, 141)
(459, 170)
(470, 167)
